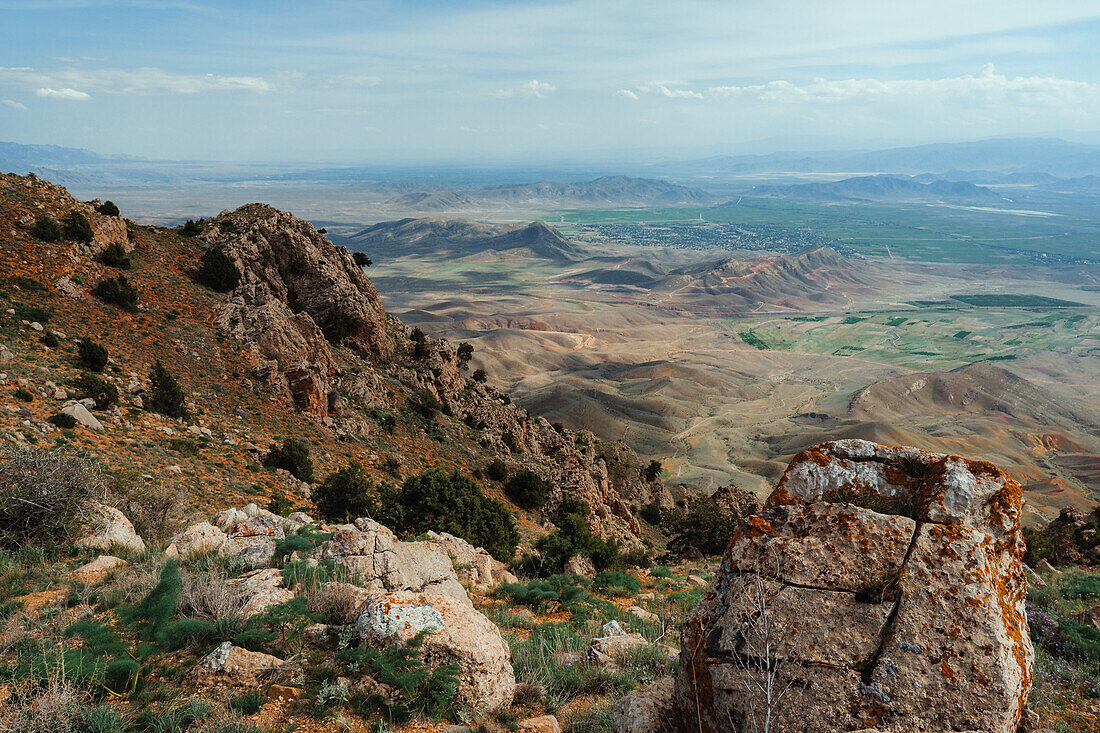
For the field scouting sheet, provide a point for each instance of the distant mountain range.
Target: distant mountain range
(460, 238)
(607, 191)
(882, 188)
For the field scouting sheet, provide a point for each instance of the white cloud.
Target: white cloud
(64, 93)
(665, 91)
(986, 86)
(627, 94)
(63, 83)
(533, 88)
(353, 80)
(12, 103)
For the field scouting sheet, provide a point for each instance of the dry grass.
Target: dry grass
(207, 595)
(56, 707)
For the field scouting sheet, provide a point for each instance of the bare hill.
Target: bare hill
(883, 188)
(461, 237)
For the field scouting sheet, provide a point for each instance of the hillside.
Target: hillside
(460, 238)
(300, 347)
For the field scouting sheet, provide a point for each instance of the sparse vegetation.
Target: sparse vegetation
(76, 227)
(46, 228)
(103, 392)
(191, 228)
(114, 255)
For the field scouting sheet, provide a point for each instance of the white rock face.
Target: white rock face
(457, 634)
(106, 527)
(909, 616)
(80, 413)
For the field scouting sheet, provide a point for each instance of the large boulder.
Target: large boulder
(262, 589)
(456, 634)
(235, 663)
(106, 528)
(880, 588)
(196, 541)
(383, 562)
(473, 565)
(254, 539)
(647, 710)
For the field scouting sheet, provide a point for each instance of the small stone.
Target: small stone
(279, 693)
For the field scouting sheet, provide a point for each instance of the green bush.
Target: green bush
(24, 395)
(572, 537)
(91, 356)
(165, 394)
(616, 583)
(464, 353)
(1082, 587)
(497, 470)
(114, 255)
(527, 489)
(286, 547)
(248, 703)
(43, 495)
(217, 271)
(153, 615)
(653, 471)
(361, 259)
(103, 392)
(479, 376)
(292, 456)
(122, 676)
(108, 208)
(660, 571)
(280, 503)
(346, 494)
(448, 501)
(701, 525)
(117, 291)
(61, 420)
(50, 339)
(101, 719)
(650, 513)
(46, 228)
(77, 228)
(191, 228)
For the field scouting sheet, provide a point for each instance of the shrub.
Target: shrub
(653, 471)
(361, 259)
(191, 228)
(43, 495)
(217, 271)
(497, 470)
(153, 615)
(339, 325)
(46, 228)
(292, 456)
(425, 403)
(248, 703)
(464, 353)
(280, 503)
(77, 228)
(117, 291)
(701, 525)
(650, 513)
(114, 255)
(91, 356)
(103, 392)
(154, 509)
(572, 537)
(24, 395)
(346, 494)
(50, 339)
(108, 208)
(165, 394)
(448, 501)
(527, 489)
(479, 376)
(122, 676)
(660, 571)
(61, 420)
(617, 583)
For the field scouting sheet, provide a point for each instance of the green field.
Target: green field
(941, 338)
(923, 232)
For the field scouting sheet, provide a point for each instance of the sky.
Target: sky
(473, 80)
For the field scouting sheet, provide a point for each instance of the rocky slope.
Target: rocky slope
(304, 329)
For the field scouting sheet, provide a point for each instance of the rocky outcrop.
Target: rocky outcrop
(473, 565)
(107, 528)
(880, 587)
(238, 665)
(456, 634)
(382, 562)
(648, 710)
(734, 503)
(196, 541)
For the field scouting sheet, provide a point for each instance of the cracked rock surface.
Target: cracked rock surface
(880, 588)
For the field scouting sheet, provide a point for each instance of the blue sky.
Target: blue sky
(464, 80)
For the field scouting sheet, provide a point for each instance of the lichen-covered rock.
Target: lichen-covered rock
(882, 587)
(106, 527)
(241, 665)
(382, 562)
(255, 538)
(473, 565)
(456, 634)
(648, 710)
